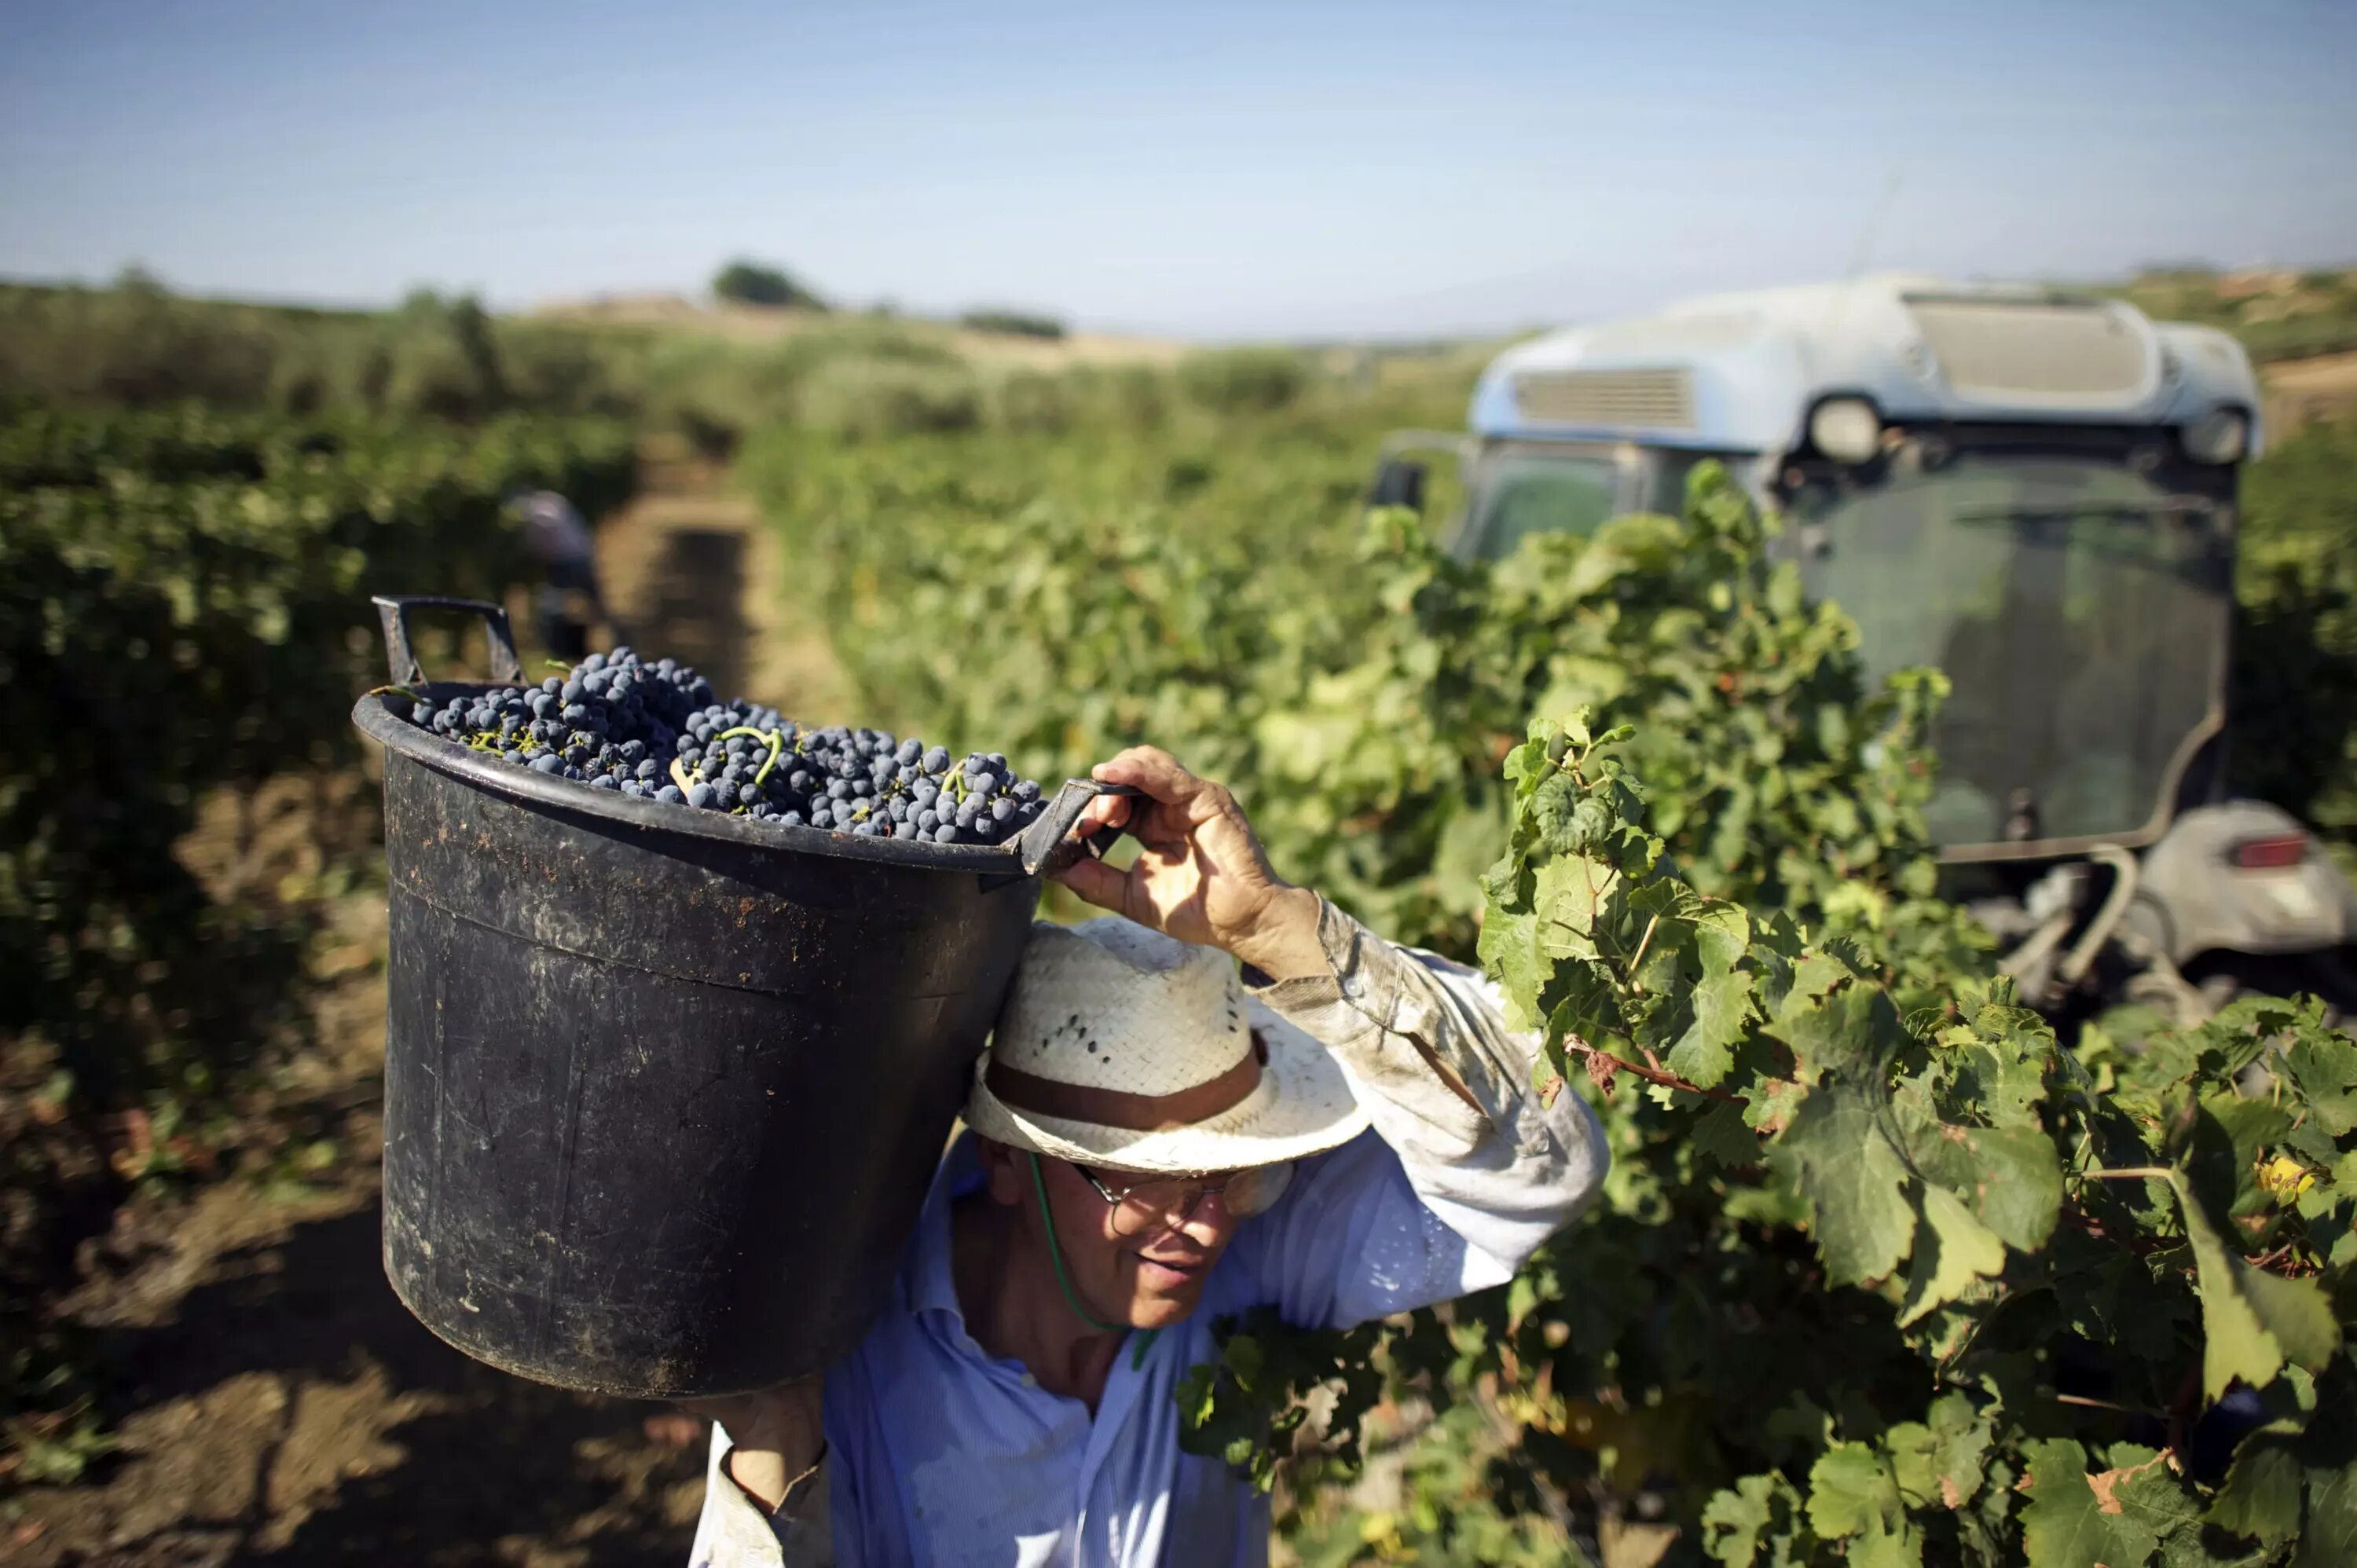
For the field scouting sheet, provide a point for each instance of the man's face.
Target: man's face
(1149, 1280)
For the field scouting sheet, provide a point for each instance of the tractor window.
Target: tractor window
(2078, 608)
(1522, 493)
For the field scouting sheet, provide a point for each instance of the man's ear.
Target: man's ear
(1005, 1169)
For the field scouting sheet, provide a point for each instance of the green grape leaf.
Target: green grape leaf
(1510, 951)
(2261, 1497)
(1849, 1028)
(2325, 1067)
(1722, 934)
(1758, 1511)
(1850, 1490)
(1721, 1008)
(2010, 1177)
(1722, 1134)
(2142, 1500)
(1952, 1249)
(2061, 1526)
(1887, 1545)
(2252, 1321)
(1836, 1153)
(2328, 1538)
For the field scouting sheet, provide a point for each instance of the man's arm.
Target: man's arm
(767, 1494)
(1469, 1169)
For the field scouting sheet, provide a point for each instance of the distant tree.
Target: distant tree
(134, 278)
(1013, 322)
(751, 283)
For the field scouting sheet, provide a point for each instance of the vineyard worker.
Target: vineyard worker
(1151, 1148)
(559, 539)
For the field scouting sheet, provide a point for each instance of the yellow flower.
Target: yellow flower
(2286, 1177)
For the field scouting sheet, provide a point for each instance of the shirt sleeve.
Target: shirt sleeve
(734, 1531)
(1467, 1167)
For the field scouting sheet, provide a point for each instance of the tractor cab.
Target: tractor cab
(2032, 491)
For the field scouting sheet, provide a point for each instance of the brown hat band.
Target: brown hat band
(1119, 1107)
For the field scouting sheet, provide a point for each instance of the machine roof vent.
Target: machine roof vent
(2063, 349)
(1655, 399)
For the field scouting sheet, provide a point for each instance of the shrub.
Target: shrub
(1029, 400)
(1244, 381)
(874, 398)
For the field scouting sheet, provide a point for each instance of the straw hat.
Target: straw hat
(1120, 1046)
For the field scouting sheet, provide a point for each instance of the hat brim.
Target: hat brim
(1302, 1106)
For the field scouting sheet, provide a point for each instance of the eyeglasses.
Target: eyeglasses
(1158, 1202)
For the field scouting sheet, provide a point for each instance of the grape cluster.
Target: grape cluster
(654, 731)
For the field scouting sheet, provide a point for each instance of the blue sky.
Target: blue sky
(1211, 170)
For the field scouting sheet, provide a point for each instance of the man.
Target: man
(1149, 1149)
(559, 539)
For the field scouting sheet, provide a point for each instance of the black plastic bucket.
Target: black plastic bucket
(664, 1089)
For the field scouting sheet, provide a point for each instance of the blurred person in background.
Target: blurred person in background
(567, 600)
(1229, 1095)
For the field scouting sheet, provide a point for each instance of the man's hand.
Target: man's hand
(1200, 874)
(775, 1437)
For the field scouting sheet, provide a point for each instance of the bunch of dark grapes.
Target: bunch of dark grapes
(654, 731)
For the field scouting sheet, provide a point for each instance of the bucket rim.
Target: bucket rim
(375, 717)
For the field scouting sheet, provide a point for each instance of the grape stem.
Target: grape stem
(1656, 1073)
(777, 744)
(679, 776)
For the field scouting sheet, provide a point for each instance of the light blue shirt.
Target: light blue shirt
(940, 1453)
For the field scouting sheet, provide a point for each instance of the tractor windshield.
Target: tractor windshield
(1520, 491)
(2078, 608)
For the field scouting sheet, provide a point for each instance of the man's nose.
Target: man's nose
(1210, 1224)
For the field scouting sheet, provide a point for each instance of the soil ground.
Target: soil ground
(2303, 391)
(272, 1401)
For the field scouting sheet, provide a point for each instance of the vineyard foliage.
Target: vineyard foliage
(1885, 1273)
(184, 611)
(2296, 638)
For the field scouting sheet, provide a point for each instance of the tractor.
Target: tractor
(2031, 489)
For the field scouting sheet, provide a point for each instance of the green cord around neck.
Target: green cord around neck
(1064, 1282)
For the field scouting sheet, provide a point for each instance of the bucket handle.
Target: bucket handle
(392, 612)
(1045, 846)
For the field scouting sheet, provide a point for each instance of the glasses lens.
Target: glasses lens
(1169, 1203)
(1256, 1191)
(1155, 1204)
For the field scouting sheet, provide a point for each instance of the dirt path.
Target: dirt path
(274, 1402)
(693, 573)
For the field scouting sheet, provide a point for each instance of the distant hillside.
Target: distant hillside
(673, 313)
(2278, 313)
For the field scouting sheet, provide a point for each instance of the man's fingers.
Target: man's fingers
(1095, 882)
(1104, 811)
(1154, 770)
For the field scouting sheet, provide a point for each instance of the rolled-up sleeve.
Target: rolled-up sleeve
(735, 1532)
(1468, 1167)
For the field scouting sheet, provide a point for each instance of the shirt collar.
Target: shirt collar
(931, 1282)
